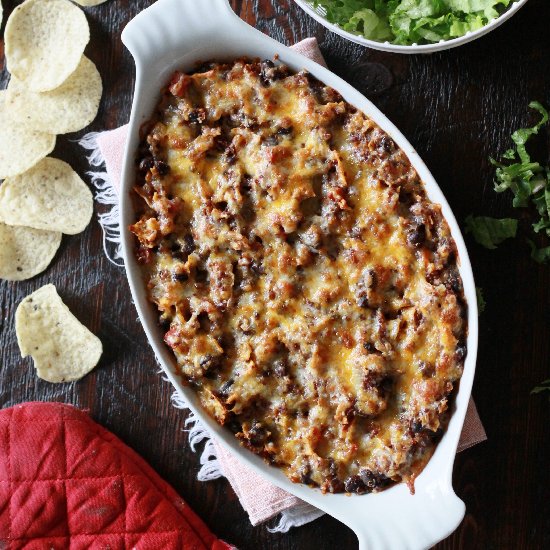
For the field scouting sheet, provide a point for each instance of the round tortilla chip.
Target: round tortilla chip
(44, 42)
(90, 2)
(68, 108)
(25, 252)
(62, 348)
(49, 196)
(21, 147)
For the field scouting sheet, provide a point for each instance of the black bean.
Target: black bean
(209, 362)
(292, 238)
(198, 116)
(269, 72)
(386, 384)
(354, 484)
(453, 282)
(379, 382)
(416, 426)
(316, 86)
(188, 244)
(221, 143)
(461, 351)
(280, 368)
(234, 425)
(272, 140)
(204, 67)
(246, 184)
(305, 474)
(387, 144)
(350, 414)
(335, 485)
(266, 71)
(285, 131)
(256, 267)
(371, 279)
(230, 154)
(162, 167)
(146, 164)
(372, 480)
(257, 434)
(427, 369)
(406, 198)
(241, 120)
(225, 388)
(417, 235)
(371, 348)
(248, 213)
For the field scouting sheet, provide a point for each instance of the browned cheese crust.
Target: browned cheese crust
(308, 288)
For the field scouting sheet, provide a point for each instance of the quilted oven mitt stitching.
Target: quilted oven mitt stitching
(69, 421)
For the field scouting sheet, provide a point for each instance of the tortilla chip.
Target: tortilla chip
(25, 252)
(90, 2)
(44, 42)
(20, 146)
(62, 348)
(49, 196)
(68, 108)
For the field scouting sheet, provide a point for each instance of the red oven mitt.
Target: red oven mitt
(66, 482)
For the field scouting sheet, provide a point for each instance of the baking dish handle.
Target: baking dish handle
(425, 520)
(171, 26)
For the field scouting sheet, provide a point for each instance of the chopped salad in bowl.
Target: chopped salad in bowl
(411, 26)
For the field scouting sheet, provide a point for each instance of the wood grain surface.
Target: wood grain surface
(457, 108)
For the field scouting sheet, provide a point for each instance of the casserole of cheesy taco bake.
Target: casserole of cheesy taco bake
(307, 286)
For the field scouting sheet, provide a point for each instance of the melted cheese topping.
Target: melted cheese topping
(308, 288)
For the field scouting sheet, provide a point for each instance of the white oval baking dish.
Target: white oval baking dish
(319, 15)
(176, 34)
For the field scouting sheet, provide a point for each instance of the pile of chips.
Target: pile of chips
(54, 89)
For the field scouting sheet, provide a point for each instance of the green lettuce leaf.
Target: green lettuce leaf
(369, 25)
(489, 232)
(540, 255)
(529, 181)
(480, 300)
(542, 387)
(521, 136)
(412, 21)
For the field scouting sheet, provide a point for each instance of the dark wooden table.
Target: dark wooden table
(457, 108)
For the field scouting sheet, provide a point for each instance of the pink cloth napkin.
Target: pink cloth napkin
(259, 498)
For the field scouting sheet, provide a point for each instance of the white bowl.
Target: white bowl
(319, 15)
(176, 34)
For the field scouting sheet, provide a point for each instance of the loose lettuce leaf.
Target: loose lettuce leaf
(523, 177)
(528, 180)
(540, 255)
(521, 136)
(489, 232)
(412, 21)
(542, 387)
(480, 300)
